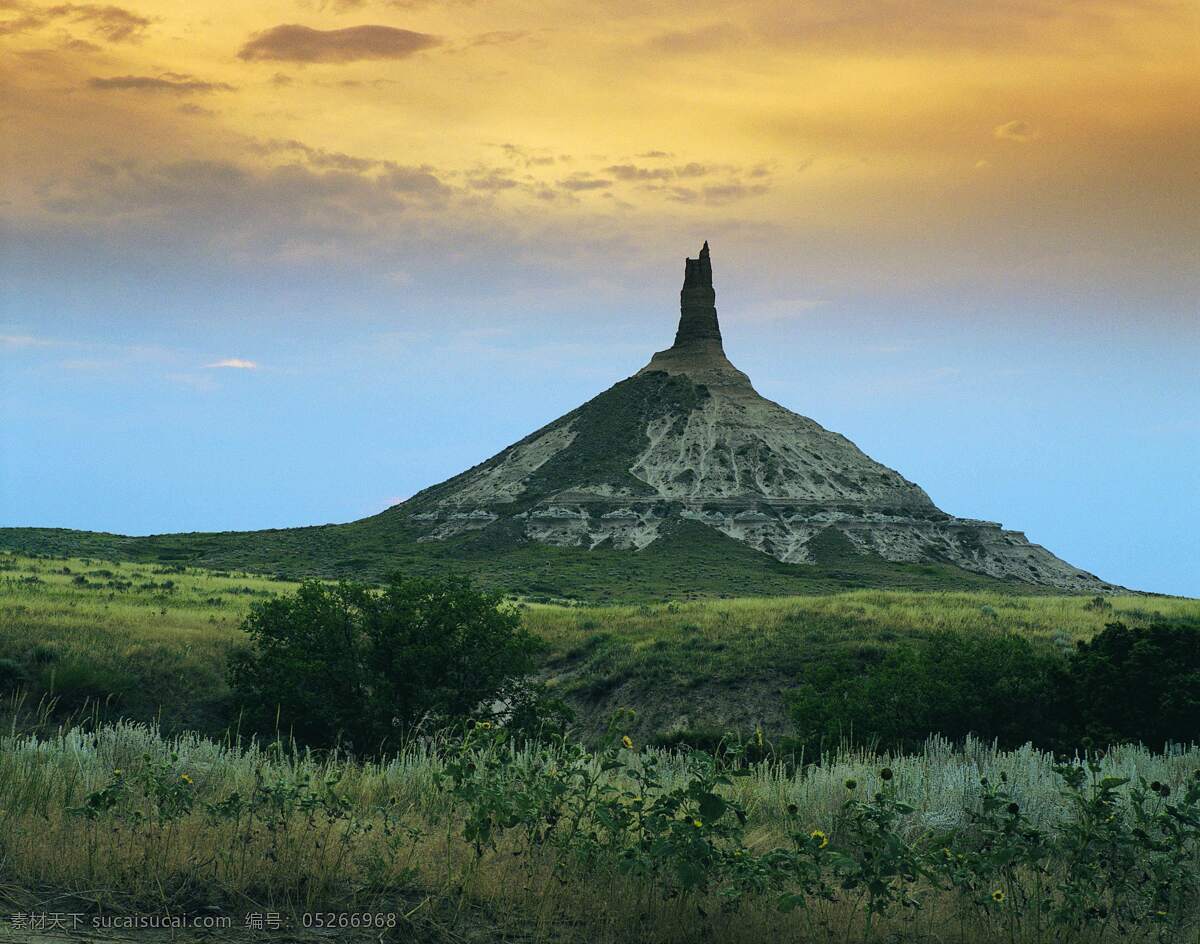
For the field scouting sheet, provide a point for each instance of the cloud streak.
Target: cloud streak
(293, 42)
(116, 24)
(1018, 131)
(173, 83)
(232, 363)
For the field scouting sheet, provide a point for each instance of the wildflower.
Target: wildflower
(946, 853)
(792, 809)
(118, 772)
(1165, 791)
(1014, 809)
(851, 784)
(628, 742)
(1161, 914)
(1155, 786)
(185, 778)
(998, 896)
(820, 838)
(697, 823)
(886, 773)
(483, 725)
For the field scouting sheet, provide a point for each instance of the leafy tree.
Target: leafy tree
(1138, 684)
(1124, 685)
(993, 685)
(362, 666)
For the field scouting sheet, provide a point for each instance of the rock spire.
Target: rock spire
(698, 304)
(698, 351)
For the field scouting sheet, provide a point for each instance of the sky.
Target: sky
(289, 262)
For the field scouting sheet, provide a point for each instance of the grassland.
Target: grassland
(147, 641)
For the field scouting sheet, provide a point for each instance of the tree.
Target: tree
(363, 666)
(1138, 684)
(992, 685)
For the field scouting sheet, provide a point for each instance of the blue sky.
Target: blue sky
(1078, 427)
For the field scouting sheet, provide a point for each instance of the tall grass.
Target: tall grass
(398, 848)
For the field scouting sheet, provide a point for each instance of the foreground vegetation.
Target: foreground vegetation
(473, 836)
(469, 813)
(151, 641)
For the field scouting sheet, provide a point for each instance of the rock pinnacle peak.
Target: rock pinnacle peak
(698, 349)
(698, 303)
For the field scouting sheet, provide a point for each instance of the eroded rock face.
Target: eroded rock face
(688, 437)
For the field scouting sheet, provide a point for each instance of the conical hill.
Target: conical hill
(688, 439)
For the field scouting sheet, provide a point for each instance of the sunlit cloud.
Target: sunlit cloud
(1014, 131)
(234, 363)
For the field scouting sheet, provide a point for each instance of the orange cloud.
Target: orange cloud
(835, 130)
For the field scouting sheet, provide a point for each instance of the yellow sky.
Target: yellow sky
(924, 122)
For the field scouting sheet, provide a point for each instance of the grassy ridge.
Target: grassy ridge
(151, 639)
(689, 562)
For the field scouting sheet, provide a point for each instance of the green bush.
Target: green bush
(1124, 685)
(12, 676)
(359, 666)
(993, 685)
(1140, 684)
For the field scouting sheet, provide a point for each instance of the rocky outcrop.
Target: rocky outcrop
(689, 438)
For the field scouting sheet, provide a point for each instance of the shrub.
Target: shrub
(993, 685)
(12, 675)
(360, 666)
(1137, 684)
(1124, 685)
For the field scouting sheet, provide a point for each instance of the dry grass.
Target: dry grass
(368, 860)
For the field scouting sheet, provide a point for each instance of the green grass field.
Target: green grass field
(149, 641)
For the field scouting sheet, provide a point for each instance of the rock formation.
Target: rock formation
(688, 437)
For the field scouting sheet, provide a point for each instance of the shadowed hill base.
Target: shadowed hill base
(689, 561)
